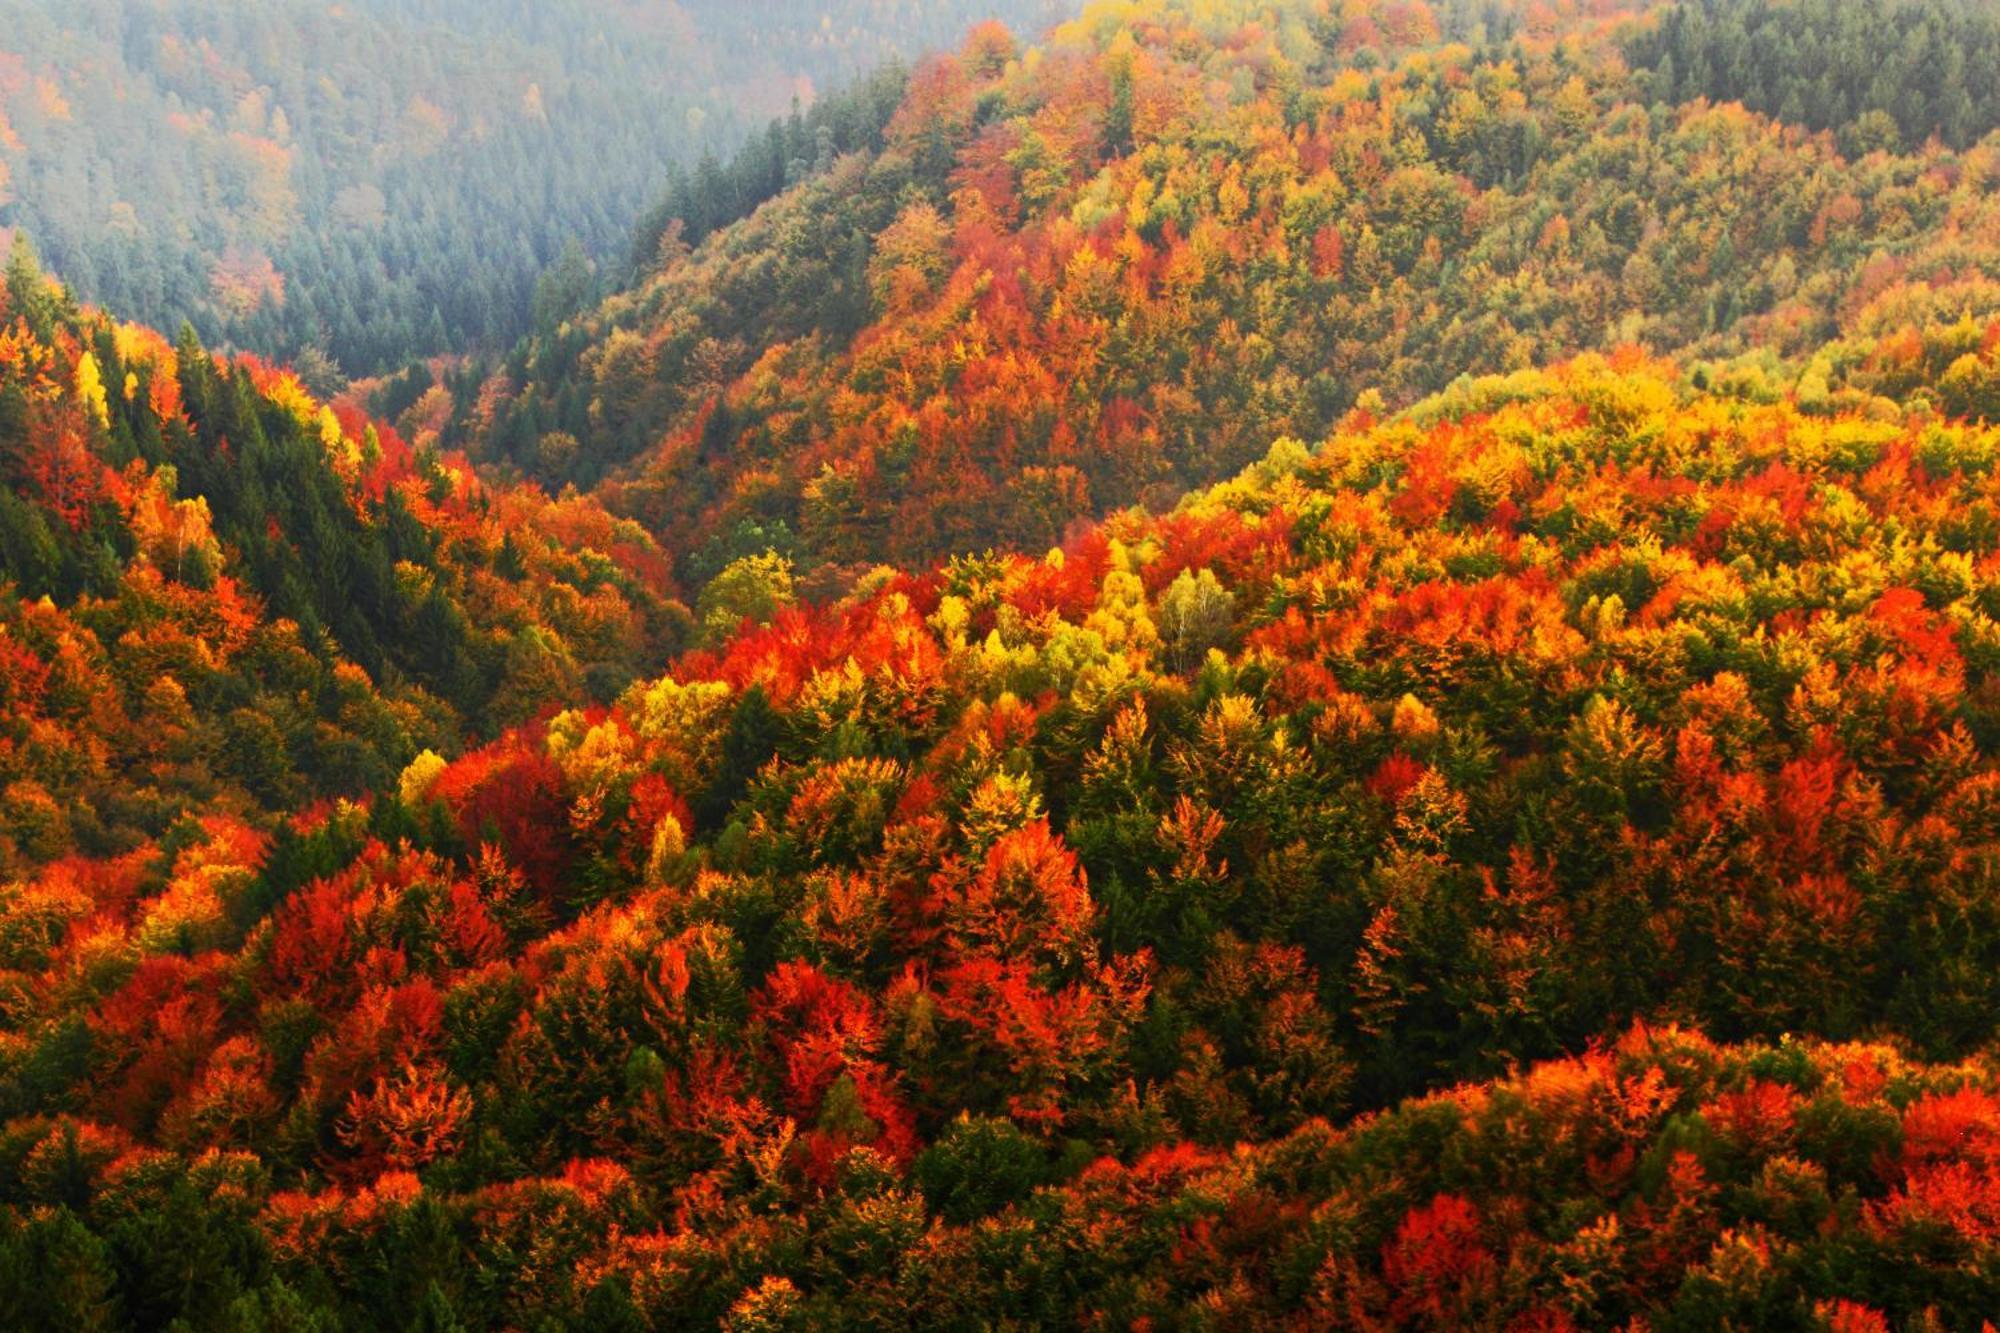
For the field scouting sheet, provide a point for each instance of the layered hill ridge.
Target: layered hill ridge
(1510, 850)
(1097, 271)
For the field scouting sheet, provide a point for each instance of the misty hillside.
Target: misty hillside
(386, 178)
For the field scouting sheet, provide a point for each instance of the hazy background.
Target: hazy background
(354, 183)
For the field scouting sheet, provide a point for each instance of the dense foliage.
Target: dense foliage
(221, 595)
(1516, 850)
(1093, 273)
(1881, 73)
(956, 932)
(385, 179)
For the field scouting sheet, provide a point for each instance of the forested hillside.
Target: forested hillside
(1881, 74)
(1274, 665)
(1094, 273)
(385, 179)
(1010, 935)
(223, 598)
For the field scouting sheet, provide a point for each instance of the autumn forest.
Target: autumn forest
(1259, 664)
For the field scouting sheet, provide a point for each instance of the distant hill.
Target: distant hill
(385, 179)
(1075, 276)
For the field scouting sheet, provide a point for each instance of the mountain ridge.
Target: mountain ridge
(911, 359)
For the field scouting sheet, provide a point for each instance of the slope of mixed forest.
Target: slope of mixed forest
(222, 596)
(1026, 924)
(1099, 271)
(1500, 839)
